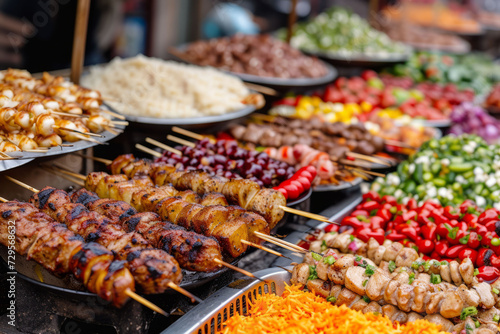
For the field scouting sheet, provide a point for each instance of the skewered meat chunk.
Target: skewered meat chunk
(153, 269)
(57, 249)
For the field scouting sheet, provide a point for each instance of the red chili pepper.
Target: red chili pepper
(468, 253)
(473, 241)
(412, 214)
(429, 231)
(332, 228)
(487, 216)
(367, 234)
(282, 190)
(389, 199)
(425, 246)
(354, 222)
(400, 209)
(410, 232)
(368, 206)
(451, 213)
(356, 213)
(462, 226)
(488, 274)
(395, 236)
(432, 203)
(412, 204)
(390, 226)
(377, 222)
(495, 261)
(441, 248)
(435, 255)
(372, 196)
(454, 251)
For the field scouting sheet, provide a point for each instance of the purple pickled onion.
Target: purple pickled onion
(353, 247)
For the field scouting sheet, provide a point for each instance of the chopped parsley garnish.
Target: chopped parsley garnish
(312, 273)
(366, 299)
(316, 256)
(412, 278)
(435, 278)
(370, 270)
(392, 266)
(329, 260)
(365, 282)
(467, 312)
(331, 299)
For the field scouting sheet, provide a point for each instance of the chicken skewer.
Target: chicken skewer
(409, 290)
(451, 272)
(153, 269)
(228, 224)
(59, 250)
(340, 294)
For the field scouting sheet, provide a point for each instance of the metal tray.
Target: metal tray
(10, 164)
(337, 187)
(358, 60)
(56, 150)
(207, 317)
(187, 121)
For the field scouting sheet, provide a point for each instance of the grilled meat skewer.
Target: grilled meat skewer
(153, 269)
(228, 224)
(245, 193)
(193, 251)
(57, 249)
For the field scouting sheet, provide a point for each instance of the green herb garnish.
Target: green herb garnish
(392, 266)
(467, 312)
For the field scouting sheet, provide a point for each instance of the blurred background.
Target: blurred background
(37, 35)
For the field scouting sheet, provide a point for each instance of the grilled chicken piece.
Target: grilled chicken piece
(376, 285)
(214, 184)
(240, 191)
(339, 268)
(319, 287)
(268, 203)
(213, 199)
(112, 209)
(120, 162)
(446, 325)
(139, 167)
(210, 217)
(147, 199)
(372, 307)
(394, 314)
(230, 235)
(467, 271)
(159, 173)
(300, 273)
(49, 199)
(355, 280)
(405, 257)
(484, 291)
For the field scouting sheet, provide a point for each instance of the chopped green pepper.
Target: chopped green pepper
(467, 312)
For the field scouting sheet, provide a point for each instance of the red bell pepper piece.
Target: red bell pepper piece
(484, 257)
(412, 204)
(432, 203)
(410, 232)
(454, 251)
(468, 253)
(395, 236)
(464, 207)
(363, 213)
(367, 234)
(473, 241)
(491, 225)
(487, 216)
(429, 231)
(451, 213)
(488, 274)
(385, 214)
(438, 217)
(441, 248)
(332, 228)
(389, 199)
(368, 206)
(425, 246)
(372, 196)
(443, 230)
(486, 241)
(470, 219)
(412, 214)
(354, 222)
(377, 222)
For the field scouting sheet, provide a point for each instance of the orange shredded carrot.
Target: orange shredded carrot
(299, 311)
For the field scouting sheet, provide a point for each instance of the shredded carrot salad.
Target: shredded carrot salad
(299, 311)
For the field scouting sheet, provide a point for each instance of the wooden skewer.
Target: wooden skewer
(192, 134)
(148, 150)
(241, 271)
(67, 114)
(307, 214)
(181, 141)
(82, 137)
(281, 243)
(368, 158)
(163, 146)
(361, 175)
(112, 130)
(284, 269)
(183, 291)
(3, 199)
(399, 144)
(170, 284)
(22, 184)
(145, 302)
(90, 134)
(119, 122)
(262, 89)
(80, 36)
(369, 172)
(114, 114)
(70, 176)
(269, 250)
(101, 160)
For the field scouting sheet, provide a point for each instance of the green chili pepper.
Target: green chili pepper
(435, 278)
(467, 312)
